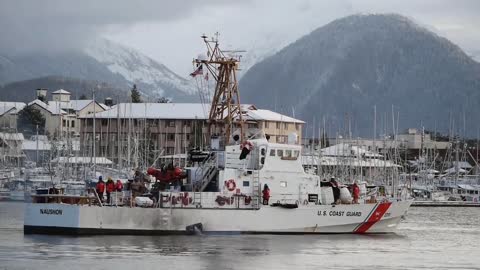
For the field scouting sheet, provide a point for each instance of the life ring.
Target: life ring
(231, 185)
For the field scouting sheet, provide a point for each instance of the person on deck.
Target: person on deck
(100, 188)
(265, 194)
(110, 189)
(335, 190)
(356, 192)
(119, 186)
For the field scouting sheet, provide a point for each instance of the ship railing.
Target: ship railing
(208, 200)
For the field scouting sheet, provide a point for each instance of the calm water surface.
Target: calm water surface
(430, 238)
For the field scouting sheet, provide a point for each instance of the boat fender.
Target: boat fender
(165, 198)
(220, 200)
(230, 184)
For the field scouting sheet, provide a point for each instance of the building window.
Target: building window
(73, 123)
(170, 150)
(296, 153)
(266, 124)
(246, 183)
(170, 123)
(285, 125)
(104, 122)
(187, 137)
(186, 123)
(280, 153)
(64, 123)
(297, 126)
(272, 152)
(252, 125)
(278, 125)
(288, 153)
(170, 137)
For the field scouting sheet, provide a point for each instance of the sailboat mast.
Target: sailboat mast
(94, 137)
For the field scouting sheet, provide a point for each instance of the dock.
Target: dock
(445, 204)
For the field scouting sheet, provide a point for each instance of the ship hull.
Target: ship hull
(314, 219)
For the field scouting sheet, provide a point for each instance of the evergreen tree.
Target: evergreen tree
(163, 100)
(135, 95)
(29, 119)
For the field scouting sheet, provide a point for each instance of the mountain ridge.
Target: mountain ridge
(345, 68)
(100, 61)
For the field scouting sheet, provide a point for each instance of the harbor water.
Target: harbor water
(429, 238)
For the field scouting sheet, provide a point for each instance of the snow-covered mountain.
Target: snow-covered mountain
(101, 61)
(137, 68)
(342, 70)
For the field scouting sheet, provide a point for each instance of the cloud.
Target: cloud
(264, 26)
(65, 24)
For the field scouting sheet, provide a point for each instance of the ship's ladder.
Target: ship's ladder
(256, 188)
(197, 199)
(209, 171)
(166, 216)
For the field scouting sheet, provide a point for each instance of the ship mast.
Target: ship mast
(225, 115)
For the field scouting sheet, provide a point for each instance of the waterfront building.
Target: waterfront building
(145, 132)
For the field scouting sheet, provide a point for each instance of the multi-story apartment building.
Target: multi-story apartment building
(146, 131)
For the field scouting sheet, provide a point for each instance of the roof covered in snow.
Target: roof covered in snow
(75, 104)
(61, 91)
(183, 111)
(462, 164)
(347, 161)
(7, 136)
(155, 111)
(30, 145)
(346, 150)
(12, 107)
(52, 108)
(82, 160)
(267, 115)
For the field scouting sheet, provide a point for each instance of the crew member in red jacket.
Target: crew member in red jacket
(119, 186)
(110, 189)
(266, 194)
(100, 188)
(356, 192)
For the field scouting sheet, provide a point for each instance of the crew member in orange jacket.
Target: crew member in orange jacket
(100, 188)
(266, 194)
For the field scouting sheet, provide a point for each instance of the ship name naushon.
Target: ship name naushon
(58, 212)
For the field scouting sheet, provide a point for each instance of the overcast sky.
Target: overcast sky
(169, 31)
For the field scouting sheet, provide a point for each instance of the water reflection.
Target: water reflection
(428, 238)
